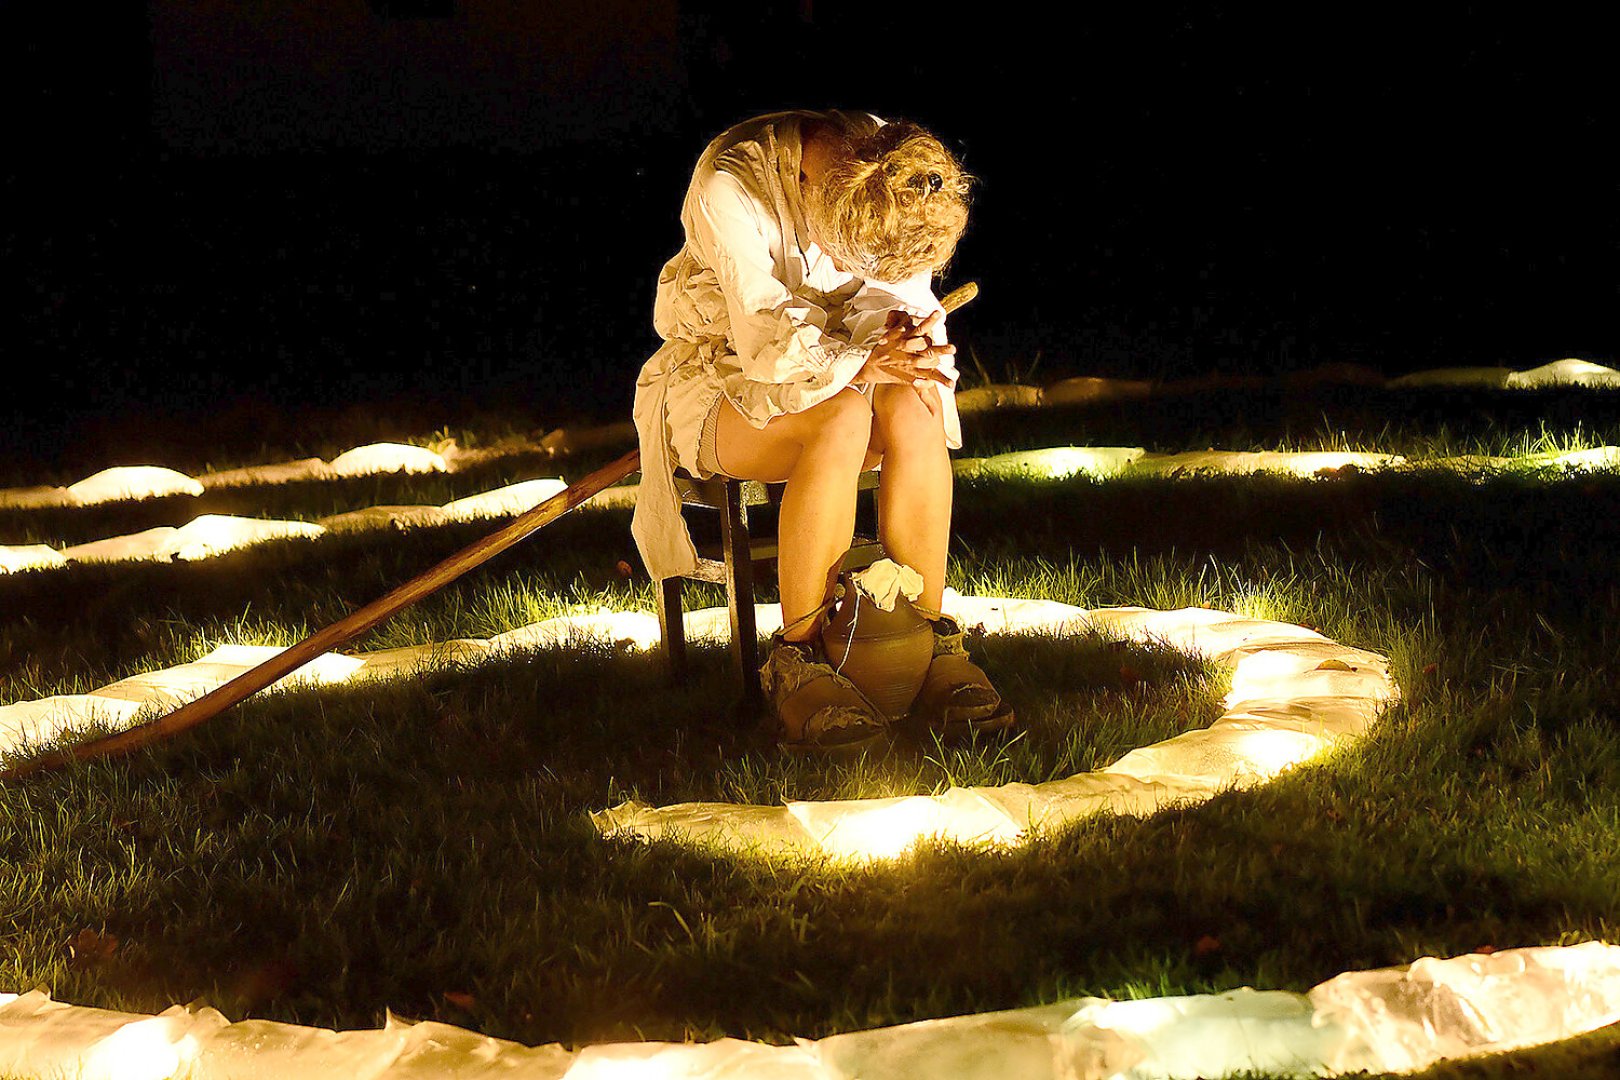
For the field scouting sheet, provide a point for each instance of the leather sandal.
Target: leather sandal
(834, 717)
(957, 701)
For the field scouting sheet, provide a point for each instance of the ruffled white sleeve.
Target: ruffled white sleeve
(790, 360)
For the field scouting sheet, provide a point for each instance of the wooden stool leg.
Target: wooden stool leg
(671, 630)
(740, 592)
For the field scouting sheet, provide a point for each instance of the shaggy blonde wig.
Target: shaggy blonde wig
(894, 203)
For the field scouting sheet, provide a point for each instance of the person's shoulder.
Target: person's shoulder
(754, 127)
(745, 139)
(746, 151)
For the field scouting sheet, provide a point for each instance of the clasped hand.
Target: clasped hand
(906, 354)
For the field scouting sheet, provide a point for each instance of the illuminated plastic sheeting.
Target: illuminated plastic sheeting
(1061, 462)
(884, 828)
(632, 629)
(1242, 463)
(1103, 462)
(43, 1038)
(174, 686)
(619, 497)
(1567, 372)
(201, 538)
(409, 659)
(999, 396)
(133, 547)
(215, 534)
(1385, 1019)
(27, 724)
(1408, 1018)
(1022, 1043)
(1597, 457)
(1295, 693)
(1264, 1030)
(395, 457)
(1055, 463)
(33, 498)
(1474, 378)
(388, 457)
(385, 517)
(128, 482)
(723, 1059)
(1337, 692)
(29, 557)
(1083, 389)
(509, 501)
(281, 472)
(131, 482)
(1011, 615)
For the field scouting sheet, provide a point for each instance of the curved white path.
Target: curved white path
(1386, 1019)
(132, 482)
(217, 534)
(129, 483)
(1294, 694)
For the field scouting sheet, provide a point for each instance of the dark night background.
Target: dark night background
(343, 203)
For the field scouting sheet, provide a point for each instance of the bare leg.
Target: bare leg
(914, 501)
(819, 453)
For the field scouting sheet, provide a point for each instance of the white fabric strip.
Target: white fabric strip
(149, 481)
(214, 534)
(1294, 694)
(1398, 1019)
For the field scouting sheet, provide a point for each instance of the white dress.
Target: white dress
(751, 308)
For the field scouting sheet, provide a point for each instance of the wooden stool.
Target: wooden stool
(733, 564)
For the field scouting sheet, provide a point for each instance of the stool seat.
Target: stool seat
(733, 566)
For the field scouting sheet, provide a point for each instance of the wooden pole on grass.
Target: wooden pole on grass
(351, 626)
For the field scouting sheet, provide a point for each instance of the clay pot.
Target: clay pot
(890, 651)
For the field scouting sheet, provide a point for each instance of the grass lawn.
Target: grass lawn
(421, 845)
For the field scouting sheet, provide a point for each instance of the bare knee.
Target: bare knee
(902, 419)
(843, 420)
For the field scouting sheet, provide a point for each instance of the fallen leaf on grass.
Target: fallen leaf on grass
(1206, 945)
(460, 1000)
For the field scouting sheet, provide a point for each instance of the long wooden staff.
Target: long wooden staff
(289, 660)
